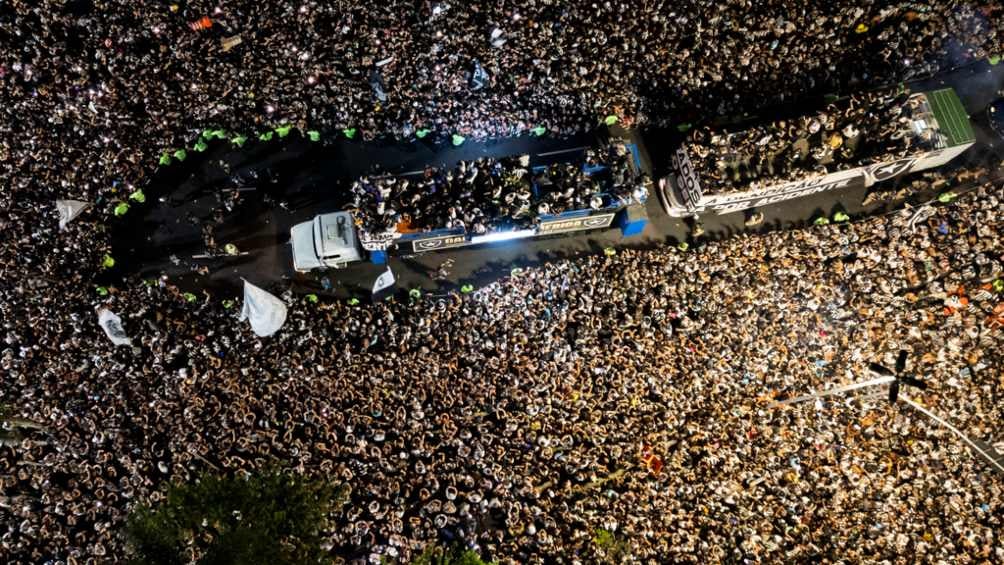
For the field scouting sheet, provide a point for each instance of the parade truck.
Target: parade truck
(334, 240)
(718, 175)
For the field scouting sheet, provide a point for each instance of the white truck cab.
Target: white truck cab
(329, 240)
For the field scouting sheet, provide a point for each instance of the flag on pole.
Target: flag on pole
(984, 450)
(384, 281)
(112, 325)
(265, 312)
(836, 390)
(68, 210)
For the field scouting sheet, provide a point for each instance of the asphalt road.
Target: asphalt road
(164, 237)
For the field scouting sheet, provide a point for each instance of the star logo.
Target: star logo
(427, 245)
(887, 171)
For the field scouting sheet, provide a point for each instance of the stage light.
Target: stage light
(502, 236)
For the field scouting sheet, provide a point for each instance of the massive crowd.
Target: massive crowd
(488, 193)
(513, 418)
(94, 91)
(627, 393)
(861, 130)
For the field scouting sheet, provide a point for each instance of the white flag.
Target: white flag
(921, 215)
(385, 280)
(68, 210)
(265, 312)
(497, 38)
(112, 325)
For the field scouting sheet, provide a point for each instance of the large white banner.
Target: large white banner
(912, 164)
(265, 312)
(725, 204)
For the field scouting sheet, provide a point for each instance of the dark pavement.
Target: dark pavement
(305, 179)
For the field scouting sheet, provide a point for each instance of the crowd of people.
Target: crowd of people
(96, 91)
(629, 394)
(861, 130)
(491, 194)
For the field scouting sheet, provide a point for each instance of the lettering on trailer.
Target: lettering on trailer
(576, 224)
(442, 242)
(861, 176)
(800, 189)
(690, 187)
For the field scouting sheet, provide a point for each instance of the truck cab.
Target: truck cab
(329, 240)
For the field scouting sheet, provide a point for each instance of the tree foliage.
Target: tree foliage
(614, 549)
(271, 517)
(452, 555)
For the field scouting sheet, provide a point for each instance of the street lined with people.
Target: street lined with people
(628, 397)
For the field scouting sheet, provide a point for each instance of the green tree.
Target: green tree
(271, 517)
(613, 548)
(452, 555)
